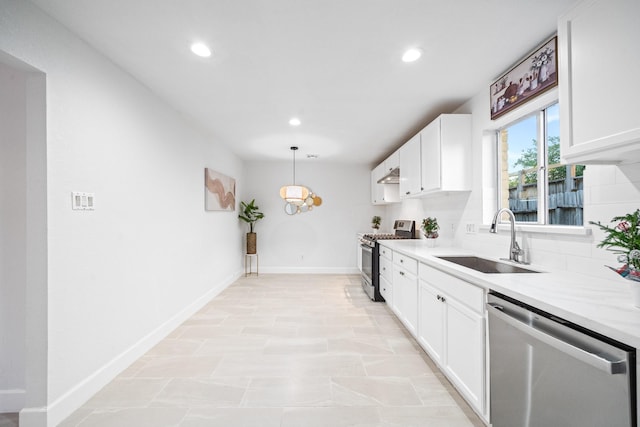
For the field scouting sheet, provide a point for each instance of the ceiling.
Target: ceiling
(335, 64)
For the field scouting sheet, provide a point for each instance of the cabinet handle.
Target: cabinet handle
(401, 273)
(442, 299)
(438, 297)
(408, 192)
(401, 261)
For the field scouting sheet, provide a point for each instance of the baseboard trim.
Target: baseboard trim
(11, 400)
(66, 404)
(309, 270)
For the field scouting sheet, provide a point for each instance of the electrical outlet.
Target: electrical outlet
(471, 228)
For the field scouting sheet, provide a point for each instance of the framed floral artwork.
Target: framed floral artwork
(534, 75)
(220, 191)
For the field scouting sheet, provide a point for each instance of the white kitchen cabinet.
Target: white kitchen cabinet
(431, 322)
(386, 275)
(386, 290)
(451, 330)
(405, 291)
(410, 180)
(446, 154)
(392, 162)
(599, 86)
(382, 193)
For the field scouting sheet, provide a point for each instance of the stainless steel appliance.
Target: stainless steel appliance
(546, 371)
(403, 229)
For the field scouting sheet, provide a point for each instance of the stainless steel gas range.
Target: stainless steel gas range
(403, 229)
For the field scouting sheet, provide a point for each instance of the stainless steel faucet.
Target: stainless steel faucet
(515, 253)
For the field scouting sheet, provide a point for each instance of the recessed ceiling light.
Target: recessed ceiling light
(294, 121)
(201, 49)
(312, 156)
(411, 55)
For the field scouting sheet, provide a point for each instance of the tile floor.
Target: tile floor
(282, 350)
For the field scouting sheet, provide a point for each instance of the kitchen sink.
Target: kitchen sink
(484, 265)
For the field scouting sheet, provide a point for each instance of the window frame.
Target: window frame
(542, 169)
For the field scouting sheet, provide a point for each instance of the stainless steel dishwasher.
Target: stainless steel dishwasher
(547, 372)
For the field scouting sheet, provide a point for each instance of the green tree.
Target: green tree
(529, 160)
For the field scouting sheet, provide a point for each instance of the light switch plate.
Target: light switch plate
(82, 201)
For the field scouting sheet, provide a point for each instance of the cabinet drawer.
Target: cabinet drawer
(386, 252)
(409, 264)
(465, 292)
(386, 268)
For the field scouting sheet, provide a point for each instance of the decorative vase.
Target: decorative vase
(544, 73)
(431, 242)
(251, 243)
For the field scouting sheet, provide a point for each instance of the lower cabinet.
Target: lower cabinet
(447, 317)
(405, 291)
(451, 329)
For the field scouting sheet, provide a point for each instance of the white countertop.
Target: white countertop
(603, 306)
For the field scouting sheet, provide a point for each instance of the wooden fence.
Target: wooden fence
(566, 198)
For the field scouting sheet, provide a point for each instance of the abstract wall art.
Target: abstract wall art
(220, 191)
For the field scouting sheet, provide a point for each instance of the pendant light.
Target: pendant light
(296, 194)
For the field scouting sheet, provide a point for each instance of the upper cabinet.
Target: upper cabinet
(410, 177)
(438, 158)
(599, 84)
(446, 154)
(392, 162)
(382, 193)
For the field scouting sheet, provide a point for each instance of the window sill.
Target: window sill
(563, 230)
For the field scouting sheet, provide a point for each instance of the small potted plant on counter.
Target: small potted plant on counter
(430, 229)
(375, 223)
(250, 214)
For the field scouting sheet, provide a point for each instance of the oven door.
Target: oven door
(367, 262)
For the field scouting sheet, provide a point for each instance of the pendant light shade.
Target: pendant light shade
(298, 198)
(295, 194)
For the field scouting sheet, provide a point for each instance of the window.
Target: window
(527, 149)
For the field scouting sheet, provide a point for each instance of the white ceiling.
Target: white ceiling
(333, 63)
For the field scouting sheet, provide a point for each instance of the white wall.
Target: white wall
(322, 240)
(608, 191)
(13, 190)
(125, 274)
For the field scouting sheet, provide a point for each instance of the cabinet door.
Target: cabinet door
(598, 48)
(410, 181)
(392, 162)
(431, 322)
(430, 140)
(405, 298)
(397, 289)
(410, 303)
(465, 351)
(377, 190)
(386, 291)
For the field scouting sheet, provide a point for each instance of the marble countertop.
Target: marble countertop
(603, 306)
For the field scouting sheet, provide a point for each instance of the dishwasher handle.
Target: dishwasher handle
(609, 366)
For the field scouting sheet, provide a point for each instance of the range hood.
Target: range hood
(392, 177)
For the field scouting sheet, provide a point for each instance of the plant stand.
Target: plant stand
(248, 264)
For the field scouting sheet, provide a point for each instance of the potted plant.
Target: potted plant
(375, 223)
(624, 239)
(430, 229)
(250, 214)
